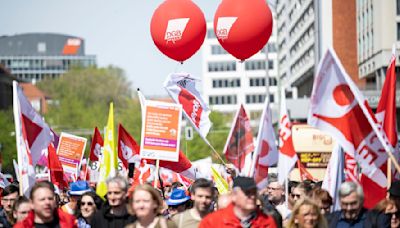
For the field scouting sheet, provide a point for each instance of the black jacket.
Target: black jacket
(103, 218)
(369, 218)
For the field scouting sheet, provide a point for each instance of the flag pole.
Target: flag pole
(389, 174)
(156, 173)
(16, 108)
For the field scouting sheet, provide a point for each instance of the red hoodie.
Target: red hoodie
(65, 220)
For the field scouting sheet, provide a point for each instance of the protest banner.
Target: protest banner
(161, 131)
(70, 152)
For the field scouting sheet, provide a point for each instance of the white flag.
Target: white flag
(287, 155)
(266, 152)
(182, 88)
(334, 175)
(25, 169)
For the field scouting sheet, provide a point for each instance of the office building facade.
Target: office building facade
(36, 56)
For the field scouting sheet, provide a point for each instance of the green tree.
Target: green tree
(80, 100)
(197, 148)
(7, 140)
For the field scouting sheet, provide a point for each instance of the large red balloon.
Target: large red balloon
(243, 27)
(178, 28)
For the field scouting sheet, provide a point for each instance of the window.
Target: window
(397, 7)
(255, 65)
(218, 50)
(255, 98)
(222, 100)
(210, 33)
(221, 66)
(398, 31)
(226, 83)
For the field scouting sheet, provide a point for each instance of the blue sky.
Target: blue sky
(118, 32)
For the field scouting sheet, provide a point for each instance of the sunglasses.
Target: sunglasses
(395, 213)
(87, 203)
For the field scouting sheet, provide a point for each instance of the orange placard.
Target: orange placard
(161, 131)
(70, 152)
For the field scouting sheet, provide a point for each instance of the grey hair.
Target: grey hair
(121, 181)
(346, 188)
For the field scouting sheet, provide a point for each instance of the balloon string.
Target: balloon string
(179, 67)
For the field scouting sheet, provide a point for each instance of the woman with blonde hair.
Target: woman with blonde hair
(146, 204)
(306, 214)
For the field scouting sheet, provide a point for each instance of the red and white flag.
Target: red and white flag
(128, 149)
(183, 166)
(239, 146)
(182, 88)
(95, 147)
(304, 174)
(339, 108)
(25, 166)
(38, 134)
(287, 155)
(266, 152)
(386, 110)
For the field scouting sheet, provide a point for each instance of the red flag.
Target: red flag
(339, 108)
(95, 147)
(386, 110)
(128, 149)
(304, 174)
(239, 145)
(183, 166)
(56, 169)
(287, 155)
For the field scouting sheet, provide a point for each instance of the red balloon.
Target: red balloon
(243, 27)
(178, 28)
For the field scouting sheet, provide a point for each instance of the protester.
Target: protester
(45, 212)
(202, 197)
(76, 189)
(243, 211)
(146, 205)
(177, 202)
(352, 213)
(21, 208)
(306, 214)
(114, 212)
(10, 194)
(88, 204)
(298, 192)
(389, 207)
(276, 196)
(323, 199)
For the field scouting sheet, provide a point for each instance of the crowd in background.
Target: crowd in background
(303, 204)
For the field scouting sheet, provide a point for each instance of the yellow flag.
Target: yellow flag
(220, 182)
(109, 160)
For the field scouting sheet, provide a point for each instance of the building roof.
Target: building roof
(41, 44)
(31, 91)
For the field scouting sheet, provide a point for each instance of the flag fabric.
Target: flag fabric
(351, 169)
(55, 168)
(334, 175)
(182, 88)
(239, 146)
(220, 182)
(338, 108)
(25, 165)
(304, 174)
(287, 155)
(38, 134)
(266, 152)
(128, 149)
(183, 166)
(16, 169)
(95, 147)
(109, 162)
(3, 181)
(386, 110)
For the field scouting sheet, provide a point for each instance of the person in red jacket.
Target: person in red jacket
(243, 211)
(45, 212)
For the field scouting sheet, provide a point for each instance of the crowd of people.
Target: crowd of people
(303, 204)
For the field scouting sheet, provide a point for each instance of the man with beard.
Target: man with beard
(45, 213)
(202, 196)
(352, 213)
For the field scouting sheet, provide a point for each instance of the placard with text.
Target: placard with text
(70, 153)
